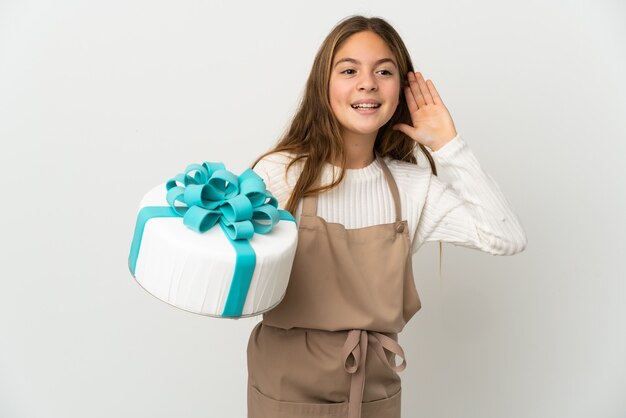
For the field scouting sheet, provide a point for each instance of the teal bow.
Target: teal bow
(210, 194)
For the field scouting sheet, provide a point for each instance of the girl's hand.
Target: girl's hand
(432, 123)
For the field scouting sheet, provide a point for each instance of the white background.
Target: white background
(101, 101)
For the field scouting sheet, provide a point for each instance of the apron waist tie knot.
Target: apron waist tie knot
(356, 345)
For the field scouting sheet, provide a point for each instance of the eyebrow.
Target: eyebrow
(380, 61)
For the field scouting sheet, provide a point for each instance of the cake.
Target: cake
(213, 243)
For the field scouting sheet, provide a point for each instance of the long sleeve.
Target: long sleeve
(261, 169)
(469, 210)
(273, 170)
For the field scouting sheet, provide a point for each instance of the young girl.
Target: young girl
(347, 170)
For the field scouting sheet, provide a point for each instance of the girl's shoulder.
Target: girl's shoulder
(413, 179)
(278, 156)
(278, 179)
(277, 160)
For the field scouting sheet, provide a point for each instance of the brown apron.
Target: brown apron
(349, 289)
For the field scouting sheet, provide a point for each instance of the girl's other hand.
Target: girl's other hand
(432, 123)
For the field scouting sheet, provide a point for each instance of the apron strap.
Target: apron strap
(392, 186)
(356, 345)
(309, 203)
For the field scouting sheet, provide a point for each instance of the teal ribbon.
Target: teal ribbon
(208, 195)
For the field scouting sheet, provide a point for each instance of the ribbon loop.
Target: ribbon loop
(383, 343)
(356, 345)
(352, 347)
(200, 219)
(239, 208)
(173, 195)
(264, 218)
(198, 174)
(242, 230)
(253, 187)
(224, 183)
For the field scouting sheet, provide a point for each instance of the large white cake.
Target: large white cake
(195, 271)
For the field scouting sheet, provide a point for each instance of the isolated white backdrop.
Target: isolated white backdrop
(100, 101)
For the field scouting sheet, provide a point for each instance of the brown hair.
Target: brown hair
(314, 133)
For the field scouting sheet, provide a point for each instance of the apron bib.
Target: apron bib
(350, 293)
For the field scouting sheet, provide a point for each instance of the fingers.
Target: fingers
(410, 100)
(434, 92)
(416, 94)
(419, 89)
(423, 92)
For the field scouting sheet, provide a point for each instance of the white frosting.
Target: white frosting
(193, 271)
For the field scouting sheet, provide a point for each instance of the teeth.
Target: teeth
(365, 105)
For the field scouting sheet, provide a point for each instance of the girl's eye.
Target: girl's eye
(382, 71)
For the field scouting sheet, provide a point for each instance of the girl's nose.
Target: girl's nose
(367, 82)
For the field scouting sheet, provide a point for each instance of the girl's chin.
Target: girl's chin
(363, 130)
(369, 127)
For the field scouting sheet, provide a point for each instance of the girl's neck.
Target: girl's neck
(359, 149)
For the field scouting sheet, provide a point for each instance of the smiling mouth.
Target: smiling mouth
(366, 106)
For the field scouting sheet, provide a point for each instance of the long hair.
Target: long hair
(314, 134)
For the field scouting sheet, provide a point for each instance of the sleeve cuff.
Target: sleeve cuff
(450, 149)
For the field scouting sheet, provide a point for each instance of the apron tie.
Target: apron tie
(356, 345)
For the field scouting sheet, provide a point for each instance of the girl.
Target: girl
(347, 170)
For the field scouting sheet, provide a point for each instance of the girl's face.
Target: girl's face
(364, 70)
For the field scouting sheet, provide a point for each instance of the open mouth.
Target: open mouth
(366, 106)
